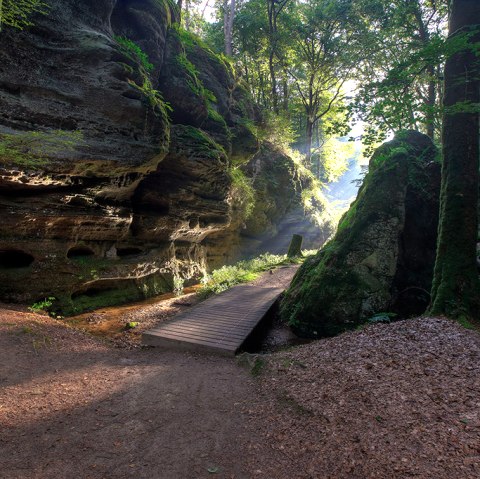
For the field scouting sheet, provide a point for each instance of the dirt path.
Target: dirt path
(391, 402)
(73, 407)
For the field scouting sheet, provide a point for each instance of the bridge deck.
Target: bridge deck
(223, 322)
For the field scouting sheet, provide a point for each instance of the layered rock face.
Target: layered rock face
(381, 259)
(278, 212)
(115, 181)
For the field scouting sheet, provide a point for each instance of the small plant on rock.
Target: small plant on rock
(42, 305)
(178, 285)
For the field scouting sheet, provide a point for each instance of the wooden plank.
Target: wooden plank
(222, 344)
(212, 320)
(151, 340)
(221, 323)
(211, 327)
(209, 341)
(207, 333)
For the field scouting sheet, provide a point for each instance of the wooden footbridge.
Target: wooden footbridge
(222, 323)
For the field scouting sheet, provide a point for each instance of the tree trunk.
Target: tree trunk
(272, 30)
(285, 95)
(308, 142)
(228, 17)
(187, 15)
(455, 290)
(273, 79)
(430, 104)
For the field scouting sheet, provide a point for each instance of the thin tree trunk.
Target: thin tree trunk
(285, 94)
(308, 142)
(273, 80)
(317, 147)
(187, 15)
(229, 15)
(456, 289)
(430, 104)
(272, 27)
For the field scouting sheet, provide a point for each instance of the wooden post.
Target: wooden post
(295, 248)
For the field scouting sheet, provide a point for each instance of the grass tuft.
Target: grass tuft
(244, 271)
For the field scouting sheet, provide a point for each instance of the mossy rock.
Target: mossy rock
(382, 257)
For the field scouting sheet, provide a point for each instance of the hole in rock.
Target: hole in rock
(91, 292)
(11, 258)
(79, 252)
(121, 252)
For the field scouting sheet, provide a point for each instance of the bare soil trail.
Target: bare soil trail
(390, 401)
(71, 406)
(74, 405)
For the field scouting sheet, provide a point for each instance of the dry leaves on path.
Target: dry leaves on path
(391, 401)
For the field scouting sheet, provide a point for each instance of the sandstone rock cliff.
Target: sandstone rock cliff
(114, 182)
(381, 259)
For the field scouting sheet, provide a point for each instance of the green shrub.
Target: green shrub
(16, 13)
(193, 81)
(227, 276)
(178, 283)
(42, 305)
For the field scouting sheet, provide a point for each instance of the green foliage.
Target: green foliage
(17, 13)
(333, 159)
(130, 49)
(258, 367)
(215, 116)
(36, 149)
(154, 97)
(465, 322)
(400, 73)
(178, 283)
(278, 130)
(243, 191)
(189, 40)
(204, 143)
(144, 69)
(227, 276)
(325, 213)
(131, 325)
(42, 305)
(193, 81)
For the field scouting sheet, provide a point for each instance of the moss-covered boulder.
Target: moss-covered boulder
(381, 259)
